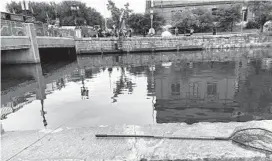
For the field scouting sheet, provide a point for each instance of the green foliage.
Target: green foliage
(142, 22)
(41, 10)
(228, 16)
(202, 20)
(116, 12)
(205, 19)
(252, 25)
(158, 21)
(48, 12)
(14, 7)
(262, 11)
(110, 23)
(185, 19)
(84, 15)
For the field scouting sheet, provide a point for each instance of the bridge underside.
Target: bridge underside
(20, 56)
(24, 50)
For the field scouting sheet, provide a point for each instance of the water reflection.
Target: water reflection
(213, 91)
(16, 103)
(123, 84)
(156, 87)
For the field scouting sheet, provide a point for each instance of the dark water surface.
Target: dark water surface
(149, 88)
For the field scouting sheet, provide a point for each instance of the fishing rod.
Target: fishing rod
(245, 137)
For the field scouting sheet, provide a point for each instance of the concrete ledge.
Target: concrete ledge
(141, 50)
(15, 42)
(17, 47)
(81, 143)
(55, 42)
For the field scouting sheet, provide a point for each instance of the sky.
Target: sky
(137, 6)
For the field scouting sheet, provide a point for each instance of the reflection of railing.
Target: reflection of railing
(12, 28)
(6, 110)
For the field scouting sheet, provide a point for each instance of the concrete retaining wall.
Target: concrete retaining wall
(15, 42)
(98, 45)
(24, 55)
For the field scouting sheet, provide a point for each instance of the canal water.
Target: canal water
(145, 88)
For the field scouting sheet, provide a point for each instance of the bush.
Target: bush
(252, 25)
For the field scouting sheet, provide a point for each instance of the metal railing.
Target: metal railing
(12, 28)
(16, 28)
(45, 30)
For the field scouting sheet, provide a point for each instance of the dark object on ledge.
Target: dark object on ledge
(255, 138)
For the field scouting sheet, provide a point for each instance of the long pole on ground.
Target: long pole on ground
(242, 22)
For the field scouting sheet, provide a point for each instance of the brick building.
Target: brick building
(167, 8)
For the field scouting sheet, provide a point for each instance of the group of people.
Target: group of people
(109, 33)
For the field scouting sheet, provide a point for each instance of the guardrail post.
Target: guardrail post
(34, 49)
(77, 33)
(10, 28)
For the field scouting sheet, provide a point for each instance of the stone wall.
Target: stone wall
(95, 44)
(55, 42)
(99, 45)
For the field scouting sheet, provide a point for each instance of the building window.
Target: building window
(211, 88)
(193, 89)
(175, 89)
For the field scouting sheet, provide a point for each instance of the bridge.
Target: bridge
(22, 42)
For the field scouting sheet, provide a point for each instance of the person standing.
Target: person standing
(176, 31)
(191, 31)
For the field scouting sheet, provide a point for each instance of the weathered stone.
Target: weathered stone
(81, 143)
(207, 42)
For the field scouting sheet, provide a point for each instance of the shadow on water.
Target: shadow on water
(190, 87)
(15, 98)
(25, 83)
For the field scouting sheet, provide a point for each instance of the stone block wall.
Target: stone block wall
(95, 44)
(89, 45)
(55, 42)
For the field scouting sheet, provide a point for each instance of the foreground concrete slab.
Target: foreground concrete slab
(80, 143)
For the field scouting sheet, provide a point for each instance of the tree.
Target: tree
(142, 22)
(227, 16)
(137, 22)
(185, 20)
(41, 10)
(14, 7)
(116, 12)
(158, 21)
(84, 15)
(110, 23)
(262, 11)
(205, 19)
(44, 12)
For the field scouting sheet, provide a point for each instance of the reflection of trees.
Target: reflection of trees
(89, 73)
(254, 93)
(257, 66)
(145, 71)
(138, 70)
(124, 83)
